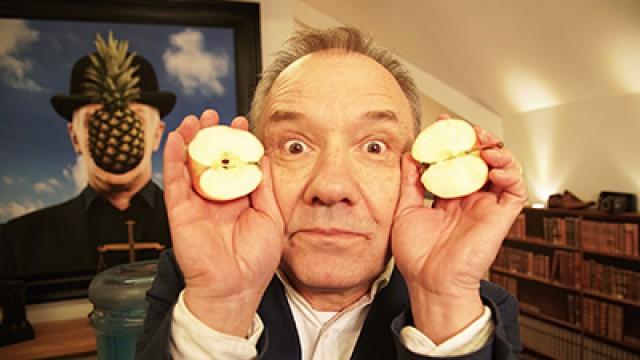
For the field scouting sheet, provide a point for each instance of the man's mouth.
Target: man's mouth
(332, 232)
(331, 235)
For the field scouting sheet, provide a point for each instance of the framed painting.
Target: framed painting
(205, 52)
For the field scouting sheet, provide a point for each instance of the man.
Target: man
(364, 270)
(61, 241)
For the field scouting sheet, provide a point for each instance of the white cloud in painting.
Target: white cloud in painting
(47, 186)
(195, 68)
(76, 173)
(12, 180)
(14, 209)
(14, 36)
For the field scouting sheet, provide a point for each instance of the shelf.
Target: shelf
(526, 311)
(634, 348)
(537, 241)
(532, 240)
(589, 214)
(608, 297)
(611, 255)
(538, 353)
(534, 278)
(589, 292)
(524, 308)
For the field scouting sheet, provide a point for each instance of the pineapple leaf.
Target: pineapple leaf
(122, 51)
(110, 84)
(111, 77)
(125, 77)
(112, 43)
(110, 57)
(93, 75)
(97, 66)
(126, 64)
(132, 94)
(100, 45)
(118, 78)
(134, 82)
(91, 86)
(135, 68)
(95, 61)
(111, 66)
(93, 95)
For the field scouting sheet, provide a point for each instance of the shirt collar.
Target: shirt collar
(148, 193)
(383, 280)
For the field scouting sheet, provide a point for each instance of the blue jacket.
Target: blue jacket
(379, 339)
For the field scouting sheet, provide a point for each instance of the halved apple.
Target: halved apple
(454, 167)
(223, 162)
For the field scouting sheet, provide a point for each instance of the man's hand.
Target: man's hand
(227, 251)
(444, 251)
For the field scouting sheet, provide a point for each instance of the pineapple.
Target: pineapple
(116, 133)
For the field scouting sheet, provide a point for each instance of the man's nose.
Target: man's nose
(333, 180)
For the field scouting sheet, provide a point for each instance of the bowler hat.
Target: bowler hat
(65, 105)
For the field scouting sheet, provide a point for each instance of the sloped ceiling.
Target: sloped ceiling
(511, 56)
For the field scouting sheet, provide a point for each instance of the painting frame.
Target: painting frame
(242, 17)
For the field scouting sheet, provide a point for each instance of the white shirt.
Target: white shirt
(323, 335)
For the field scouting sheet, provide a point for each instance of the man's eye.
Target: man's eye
(295, 147)
(375, 147)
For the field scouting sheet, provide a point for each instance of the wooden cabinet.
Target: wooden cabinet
(576, 274)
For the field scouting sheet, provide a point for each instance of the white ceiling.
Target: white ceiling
(511, 56)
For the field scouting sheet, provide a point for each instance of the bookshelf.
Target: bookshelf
(576, 274)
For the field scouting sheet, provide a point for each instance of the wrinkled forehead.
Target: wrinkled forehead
(336, 83)
(345, 71)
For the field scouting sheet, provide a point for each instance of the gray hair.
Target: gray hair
(349, 39)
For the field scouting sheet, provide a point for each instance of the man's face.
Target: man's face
(105, 181)
(335, 126)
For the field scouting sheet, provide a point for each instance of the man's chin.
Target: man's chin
(118, 182)
(329, 274)
(324, 262)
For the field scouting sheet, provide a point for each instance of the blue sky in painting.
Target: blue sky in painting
(38, 166)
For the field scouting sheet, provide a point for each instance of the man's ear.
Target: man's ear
(74, 138)
(157, 137)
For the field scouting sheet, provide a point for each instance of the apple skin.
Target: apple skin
(223, 163)
(453, 168)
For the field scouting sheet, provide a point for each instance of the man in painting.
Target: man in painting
(118, 202)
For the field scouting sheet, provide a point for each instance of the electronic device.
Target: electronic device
(616, 202)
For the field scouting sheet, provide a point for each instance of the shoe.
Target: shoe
(570, 201)
(555, 201)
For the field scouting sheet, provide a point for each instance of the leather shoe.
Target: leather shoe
(568, 200)
(555, 201)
